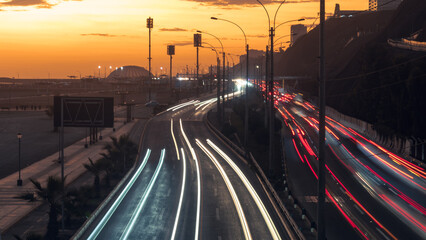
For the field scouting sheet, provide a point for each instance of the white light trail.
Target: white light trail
(231, 190)
(117, 202)
(174, 139)
(194, 156)
(267, 218)
(145, 195)
(174, 108)
(181, 196)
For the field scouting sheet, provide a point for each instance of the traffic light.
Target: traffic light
(197, 40)
(170, 49)
(150, 22)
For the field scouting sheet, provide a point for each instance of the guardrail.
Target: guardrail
(296, 231)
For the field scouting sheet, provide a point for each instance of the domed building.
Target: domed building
(128, 74)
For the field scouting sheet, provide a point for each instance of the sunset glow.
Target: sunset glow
(60, 38)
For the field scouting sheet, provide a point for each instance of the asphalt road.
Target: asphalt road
(380, 195)
(206, 191)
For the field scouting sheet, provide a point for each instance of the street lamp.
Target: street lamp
(218, 77)
(99, 69)
(247, 79)
(19, 182)
(149, 25)
(297, 20)
(223, 74)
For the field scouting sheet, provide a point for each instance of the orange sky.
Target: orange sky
(39, 38)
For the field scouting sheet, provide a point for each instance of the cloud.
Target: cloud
(32, 3)
(173, 30)
(257, 36)
(101, 35)
(236, 4)
(181, 43)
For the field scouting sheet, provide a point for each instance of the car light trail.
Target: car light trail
(205, 103)
(253, 193)
(400, 161)
(174, 139)
(194, 156)
(182, 105)
(117, 202)
(231, 190)
(142, 202)
(181, 196)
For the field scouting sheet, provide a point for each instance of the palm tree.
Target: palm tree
(52, 194)
(121, 150)
(95, 168)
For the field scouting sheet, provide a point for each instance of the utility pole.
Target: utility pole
(266, 85)
(218, 90)
(149, 25)
(272, 115)
(321, 159)
(223, 87)
(246, 102)
(197, 44)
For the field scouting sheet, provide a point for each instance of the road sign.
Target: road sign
(84, 111)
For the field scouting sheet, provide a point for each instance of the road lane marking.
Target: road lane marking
(231, 190)
(174, 139)
(120, 198)
(181, 196)
(265, 214)
(194, 156)
(142, 202)
(217, 214)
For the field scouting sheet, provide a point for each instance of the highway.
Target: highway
(379, 194)
(187, 185)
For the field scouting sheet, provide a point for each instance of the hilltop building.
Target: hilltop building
(383, 5)
(297, 31)
(338, 13)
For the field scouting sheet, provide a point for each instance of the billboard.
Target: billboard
(84, 111)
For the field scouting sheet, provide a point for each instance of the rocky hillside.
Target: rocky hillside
(367, 78)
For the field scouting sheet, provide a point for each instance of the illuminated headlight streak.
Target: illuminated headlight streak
(231, 190)
(117, 202)
(192, 102)
(205, 103)
(142, 202)
(174, 139)
(194, 156)
(181, 196)
(179, 105)
(271, 226)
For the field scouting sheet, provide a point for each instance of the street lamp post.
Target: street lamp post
(149, 25)
(321, 158)
(247, 79)
(19, 182)
(223, 74)
(218, 79)
(197, 44)
(99, 72)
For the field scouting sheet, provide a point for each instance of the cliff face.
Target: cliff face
(367, 78)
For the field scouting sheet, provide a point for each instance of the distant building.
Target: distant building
(128, 74)
(297, 31)
(338, 13)
(252, 55)
(382, 5)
